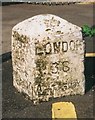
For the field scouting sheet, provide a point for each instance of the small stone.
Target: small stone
(93, 90)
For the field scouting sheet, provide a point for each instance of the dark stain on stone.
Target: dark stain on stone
(48, 29)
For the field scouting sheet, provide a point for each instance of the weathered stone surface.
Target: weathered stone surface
(48, 58)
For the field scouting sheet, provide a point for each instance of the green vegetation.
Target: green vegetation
(88, 31)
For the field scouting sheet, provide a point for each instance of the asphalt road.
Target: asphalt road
(14, 104)
(76, 14)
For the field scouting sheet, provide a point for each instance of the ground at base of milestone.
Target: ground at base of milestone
(14, 104)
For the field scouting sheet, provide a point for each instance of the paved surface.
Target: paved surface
(16, 106)
(76, 14)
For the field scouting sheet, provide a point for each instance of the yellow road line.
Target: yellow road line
(84, 3)
(63, 110)
(90, 55)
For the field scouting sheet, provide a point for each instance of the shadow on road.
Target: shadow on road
(89, 72)
(5, 57)
(10, 3)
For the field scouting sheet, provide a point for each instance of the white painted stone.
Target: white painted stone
(48, 58)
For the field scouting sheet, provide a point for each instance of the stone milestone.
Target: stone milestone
(48, 58)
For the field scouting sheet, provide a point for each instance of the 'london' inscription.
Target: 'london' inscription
(56, 47)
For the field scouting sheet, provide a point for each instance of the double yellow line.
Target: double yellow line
(90, 55)
(84, 3)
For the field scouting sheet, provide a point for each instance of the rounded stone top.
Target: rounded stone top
(47, 24)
